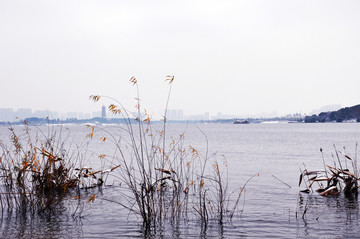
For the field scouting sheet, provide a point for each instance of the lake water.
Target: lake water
(272, 152)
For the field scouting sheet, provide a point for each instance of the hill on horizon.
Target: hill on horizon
(343, 114)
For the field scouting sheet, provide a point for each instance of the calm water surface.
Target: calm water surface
(269, 151)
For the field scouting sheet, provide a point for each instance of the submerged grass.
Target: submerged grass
(333, 179)
(340, 178)
(162, 179)
(38, 171)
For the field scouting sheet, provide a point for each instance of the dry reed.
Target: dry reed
(333, 179)
(162, 178)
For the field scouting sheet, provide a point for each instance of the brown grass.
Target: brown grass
(162, 178)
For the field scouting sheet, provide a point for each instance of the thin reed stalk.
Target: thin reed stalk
(163, 179)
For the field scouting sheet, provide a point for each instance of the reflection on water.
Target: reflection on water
(186, 229)
(57, 223)
(329, 217)
(271, 209)
(316, 216)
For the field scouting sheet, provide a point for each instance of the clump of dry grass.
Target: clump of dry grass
(162, 178)
(38, 172)
(35, 173)
(333, 179)
(341, 178)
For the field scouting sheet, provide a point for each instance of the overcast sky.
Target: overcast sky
(235, 57)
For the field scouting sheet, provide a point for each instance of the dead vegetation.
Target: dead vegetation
(162, 178)
(339, 178)
(342, 176)
(38, 172)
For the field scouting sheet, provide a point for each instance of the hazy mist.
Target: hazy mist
(234, 57)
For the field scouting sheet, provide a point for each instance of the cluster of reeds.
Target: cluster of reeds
(162, 178)
(34, 173)
(333, 179)
(37, 171)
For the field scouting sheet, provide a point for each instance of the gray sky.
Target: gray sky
(235, 57)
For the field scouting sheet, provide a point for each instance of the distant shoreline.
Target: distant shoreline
(117, 121)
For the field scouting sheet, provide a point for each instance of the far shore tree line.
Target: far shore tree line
(341, 115)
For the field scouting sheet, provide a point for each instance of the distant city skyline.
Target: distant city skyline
(12, 115)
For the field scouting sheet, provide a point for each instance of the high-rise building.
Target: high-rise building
(206, 116)
(40, 114)
(103, 112)
(23, 113)
(175, 115)
(71, 115)
(7, 115)
(180, 115)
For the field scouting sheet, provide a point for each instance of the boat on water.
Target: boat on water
(241, 122)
